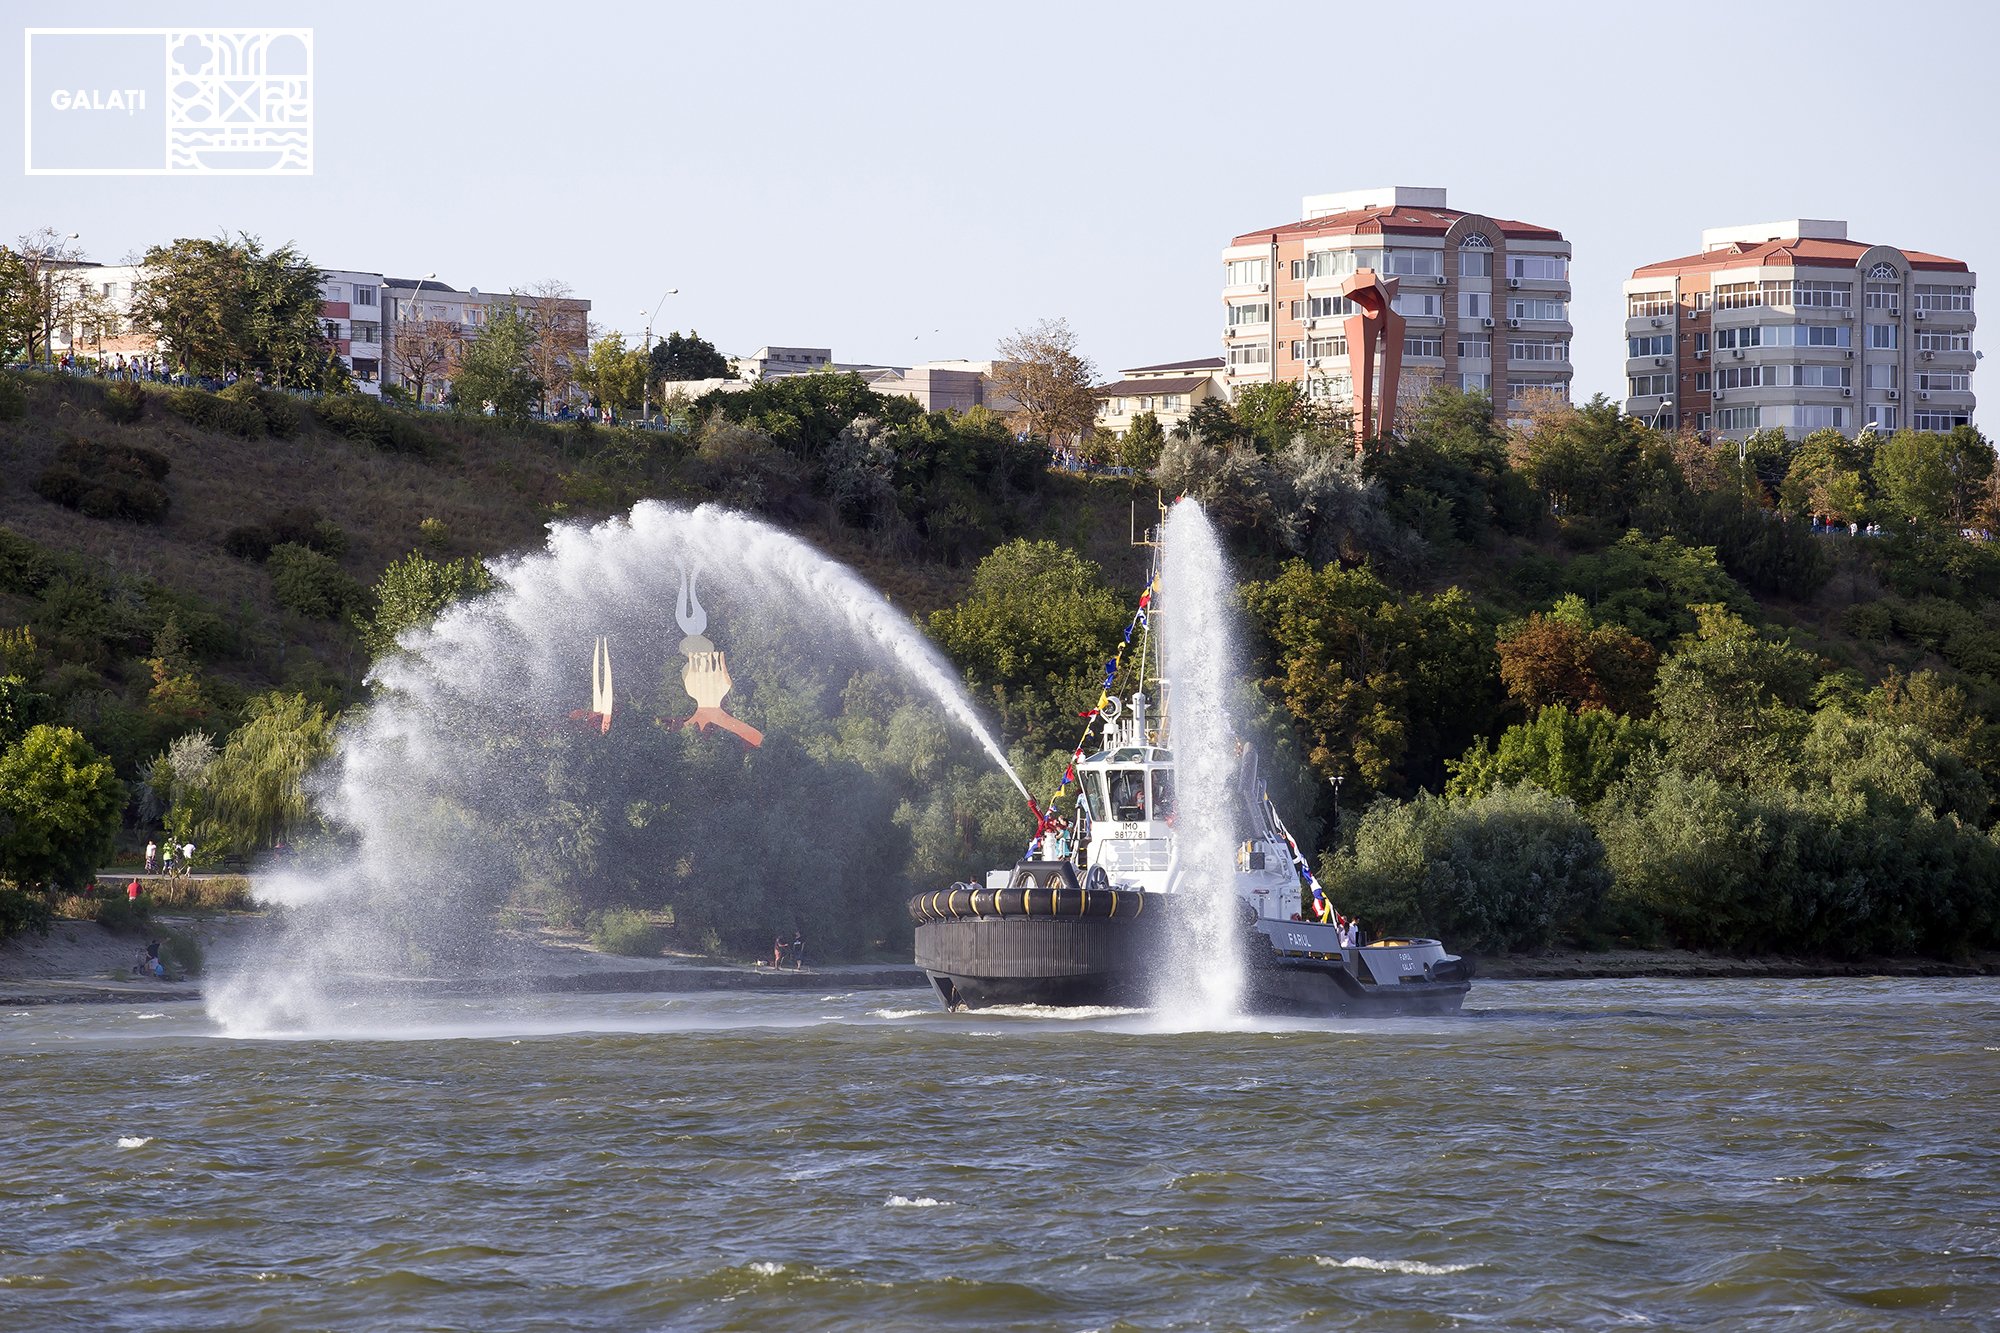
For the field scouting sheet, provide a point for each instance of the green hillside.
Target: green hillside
(1581, 682)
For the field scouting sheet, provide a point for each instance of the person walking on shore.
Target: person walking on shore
(187, 858)
(152, 855)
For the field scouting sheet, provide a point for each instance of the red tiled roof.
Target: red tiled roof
(1198, 363)
(1789, 252)
(1401, 220)
(1134, 388)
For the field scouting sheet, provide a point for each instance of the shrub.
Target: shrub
(279, 412)
(181, 952)
(220, 893)
(213, 412)
(368, 422)
(13, 399)
(625, 931)
(124, 403)
(1517, 869)
(20, 911)
(300, 526)
(107, 481)
(1868, 620)
(312, 584)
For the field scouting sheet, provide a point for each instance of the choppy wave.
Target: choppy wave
(132, 1141)
(1408, 1267)
(922, 1201)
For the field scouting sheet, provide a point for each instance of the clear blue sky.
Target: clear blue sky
(858, 175)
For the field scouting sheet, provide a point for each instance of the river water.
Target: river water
(1722, 1154)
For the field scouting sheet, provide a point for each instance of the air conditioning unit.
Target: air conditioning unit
(1738, 354)
(1513, 282)
(1924, 394)
(1657, 321)
(1659, 360)
(1850, 354)
(1894, 313)
(1513, 323)
(1485, 323)
(1847, 393)
(1440, 279)
(1263, 286)
(1701, 356)
(1928, 356)
(1847, 314)
(1693, 313)
(1720, 395)
(1918, 315)
(1894, 395)
(1314, 362)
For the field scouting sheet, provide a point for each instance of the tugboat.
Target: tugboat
(1085, 917)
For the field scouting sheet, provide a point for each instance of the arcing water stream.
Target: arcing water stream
(470, 761)
(1200, 664)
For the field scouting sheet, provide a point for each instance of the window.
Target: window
(1825, 335)
(1475, 305)
(1639, 305)
(1944, 340)
(1738, 296)
(1239, 272)
(1325, 347)
(1884, 296)
(367, 331)
(1473, 381)
(1938, 421)
(1145, 402)
(1823, 377)
(1650, 386)
(1298, 269)
(1658, 344)
(1880, 375)
(1738, 418)
(1530, 308)
(1944, 381)
(1329, 263)
(1702, 379)
(1822, 295)
(1538, 349)
(1543, 268)
(1811, 416)
(1701, 342)
(1413, 263)
(1422, 305)
(1331, 388)
(1475, 257)
(1423, 345)
(364, 296)
(1325, 307)
(1931, 296)
(1741, 377)
(1250, 354)
(1701, 300)
(1298, 348)
(1250, 312)
(1883, 337)
(1170, 402)
(1478, 346)
(1519, 390)
(1883, 273)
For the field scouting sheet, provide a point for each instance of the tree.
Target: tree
(1582, 459)
(1384, 686)
(1139, 448)
(43, 290)
(1732, 702)
(694, 357)
(1050, 382)
(1032, 637)
(256, 788)
(59, 806)
(1563, 658)
(496, 369)
(613, 374)
(413, 591)
(222, 305)
(1826, 479)
(560, 338)
(423, 351)
(1577, 756)
(1928, 477)
(176, 696)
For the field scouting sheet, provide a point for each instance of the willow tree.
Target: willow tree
(256, 787)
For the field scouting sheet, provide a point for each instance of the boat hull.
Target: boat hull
(1051, 942)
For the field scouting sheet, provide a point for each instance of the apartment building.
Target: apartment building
(1483, 303)
(1792, 326)
(1170, 391)
(419, 305)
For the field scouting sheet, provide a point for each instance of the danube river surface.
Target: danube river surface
(1730, 1154)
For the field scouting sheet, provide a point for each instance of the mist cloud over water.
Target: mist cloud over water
(478, 769)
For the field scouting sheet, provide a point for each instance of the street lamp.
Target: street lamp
(646, 373)
(1337, 779)
(49, 299)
